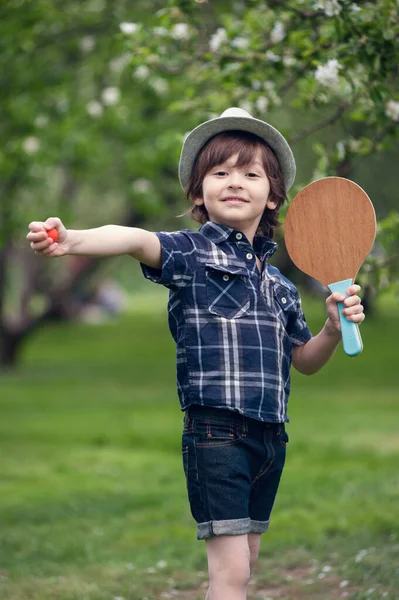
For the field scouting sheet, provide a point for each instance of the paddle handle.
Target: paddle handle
(351, 339)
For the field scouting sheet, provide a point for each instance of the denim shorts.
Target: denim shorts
(233, 466)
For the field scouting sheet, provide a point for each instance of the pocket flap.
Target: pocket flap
(232, 269)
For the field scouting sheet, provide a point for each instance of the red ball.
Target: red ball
(53, 234)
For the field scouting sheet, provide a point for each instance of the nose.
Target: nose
(235, 181)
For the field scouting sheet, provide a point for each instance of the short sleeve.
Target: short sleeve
(178, 255)
(298, 329)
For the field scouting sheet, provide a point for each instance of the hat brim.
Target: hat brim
(198, 137)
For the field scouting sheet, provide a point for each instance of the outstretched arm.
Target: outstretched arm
(312, 356)
(109, 240)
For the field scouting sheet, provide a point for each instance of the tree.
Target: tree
(94, 94)
(74, 132)
(327, 70)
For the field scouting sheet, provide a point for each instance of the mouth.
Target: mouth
(234, 200)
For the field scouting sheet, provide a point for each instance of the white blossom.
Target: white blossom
(256, 84)
(355, 8)
(94, 108)
(326, 569)
(142, 72)
(392, 110)
(289, 61)
(240, 43)
(278, 32)
(128, 28)
(110, 96)
(330, 7)
(87, 43)
(180, 31)
(327, 74)
(31, 144)
(272, 57)
(160, 86)
(262, 103)
(41, 121)
(344, 583)
(160, 31)
(217, 39)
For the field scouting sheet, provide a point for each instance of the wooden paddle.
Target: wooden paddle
(329, 230)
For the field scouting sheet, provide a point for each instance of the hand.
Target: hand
(353, 310)
(42, 244)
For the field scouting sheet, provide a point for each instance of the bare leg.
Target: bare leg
(254, 545)
(228, 566)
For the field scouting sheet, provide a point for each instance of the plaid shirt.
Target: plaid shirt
(234, 327)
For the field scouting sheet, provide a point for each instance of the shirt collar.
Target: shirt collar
(263, 246)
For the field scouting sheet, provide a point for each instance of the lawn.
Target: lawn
(93, 503)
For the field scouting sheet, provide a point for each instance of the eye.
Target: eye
(221, 173)
(253, 175)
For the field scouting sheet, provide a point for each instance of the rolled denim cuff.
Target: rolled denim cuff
(231, 527)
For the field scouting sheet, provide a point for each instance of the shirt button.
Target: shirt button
(284, 300)
(249, 256)
(226, 277)
(239, 236)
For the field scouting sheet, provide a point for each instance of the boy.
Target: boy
(238, 325)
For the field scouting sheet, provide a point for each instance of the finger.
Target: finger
(352, 301)
(52, 222)
(50, 249)
(36, 226)
(358, 318)
(353, 310)
(336, 297)
(353, 289)
(40, 246)
(36, 236)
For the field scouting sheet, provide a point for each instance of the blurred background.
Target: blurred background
(96, 98)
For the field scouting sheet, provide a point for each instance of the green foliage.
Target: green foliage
(336, 60)
(95, 97)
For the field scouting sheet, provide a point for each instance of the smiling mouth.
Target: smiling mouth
(235, 200)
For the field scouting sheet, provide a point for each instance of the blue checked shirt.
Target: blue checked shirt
(234, 326)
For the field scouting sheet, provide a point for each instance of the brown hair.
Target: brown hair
(219, 149)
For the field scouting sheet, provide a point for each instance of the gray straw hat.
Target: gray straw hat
(236, 119)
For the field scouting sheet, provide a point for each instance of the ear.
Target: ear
(271, 204)
(199, 201)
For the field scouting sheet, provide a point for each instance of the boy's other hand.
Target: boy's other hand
(353, 310)
(43, 245)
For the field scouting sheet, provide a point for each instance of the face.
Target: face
(237, 196)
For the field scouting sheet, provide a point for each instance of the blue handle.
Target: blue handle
(351, 339)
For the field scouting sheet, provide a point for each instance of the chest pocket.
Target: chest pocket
(227, 292)
(285, 306)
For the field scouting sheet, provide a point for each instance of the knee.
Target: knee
(236, 573)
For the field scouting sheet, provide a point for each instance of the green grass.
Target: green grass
(92, 495)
